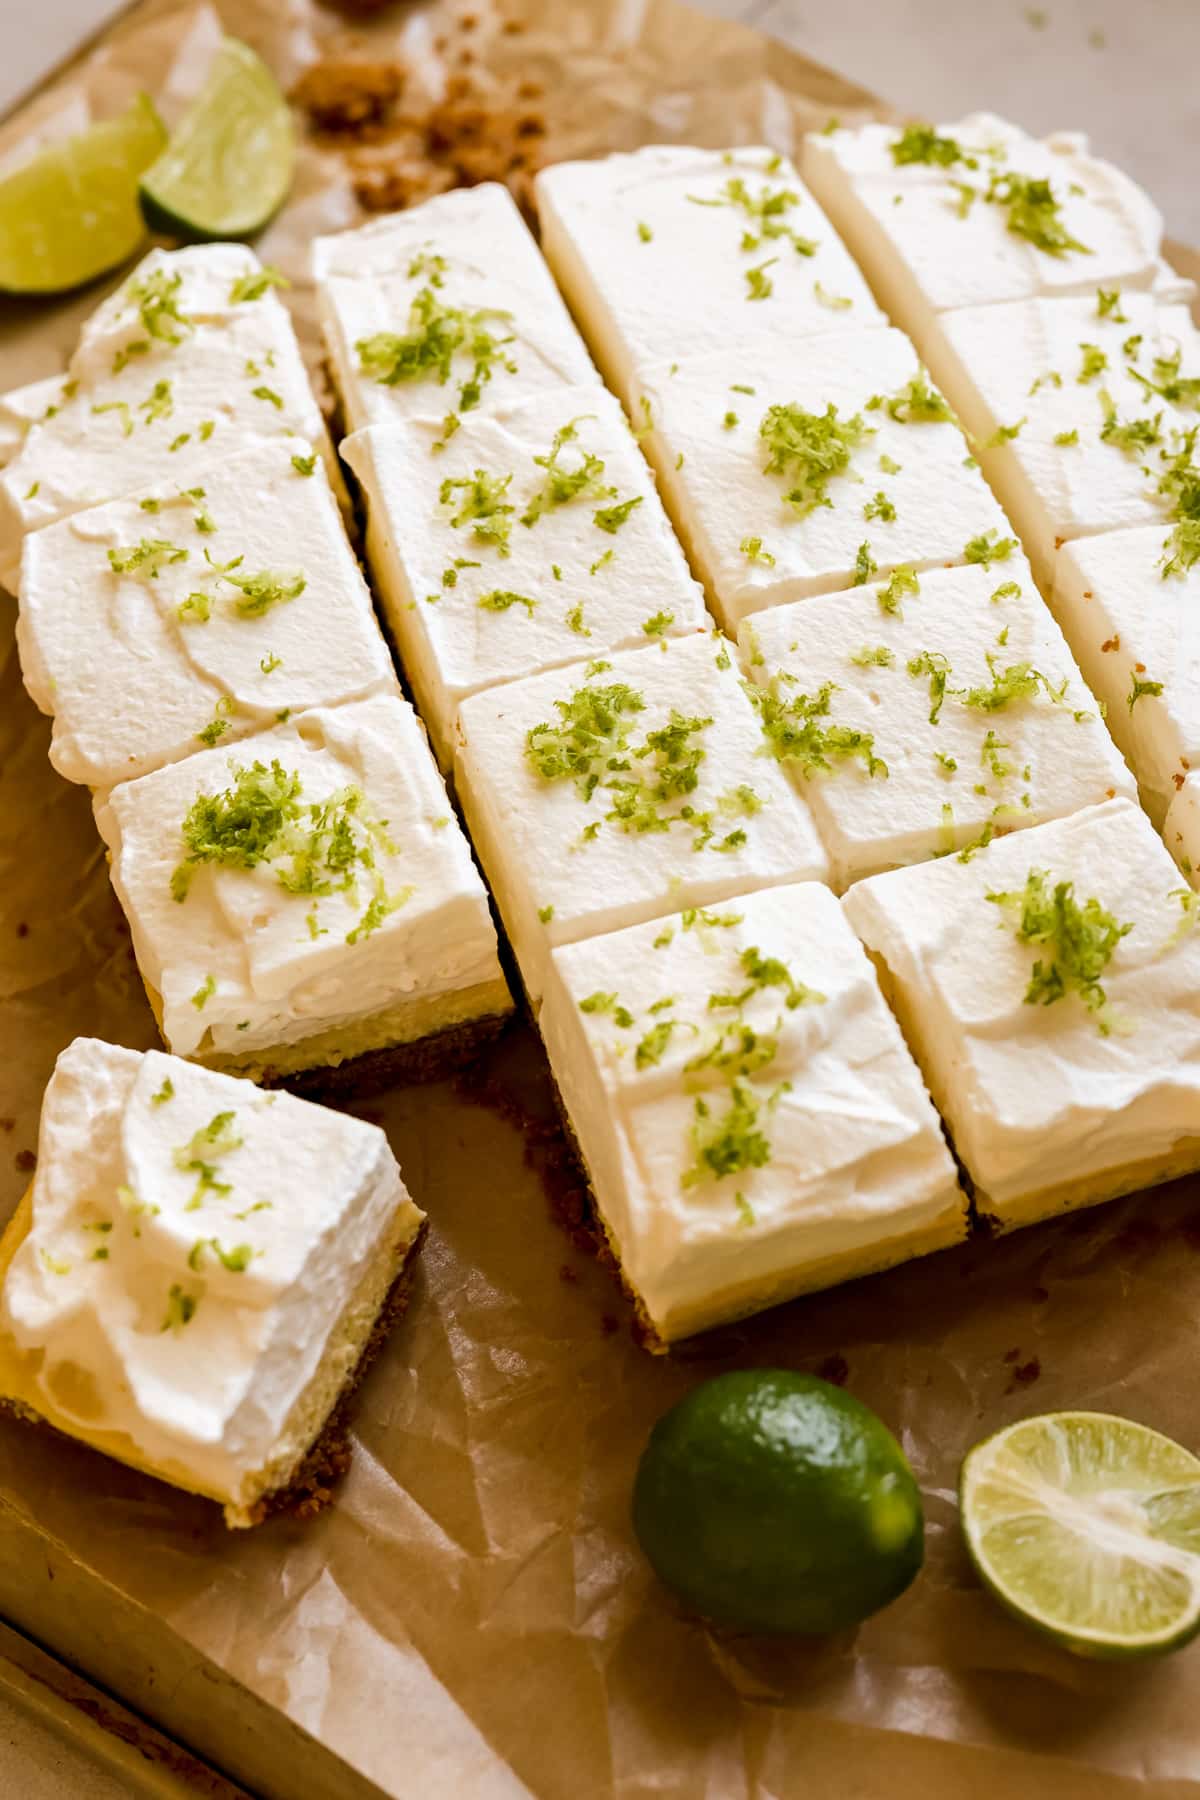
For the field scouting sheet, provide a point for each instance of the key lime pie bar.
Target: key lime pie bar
(1050, 990)
(928, 713)
(812, 468)
(198, 1275)
(192, 359)
(533, 538)
(1082, 408)
(622, 789)
(1129, 602)
(153, 626)
(447, 307)
(307, 900)
(672, 254)
(958, 215)
(751, 1122)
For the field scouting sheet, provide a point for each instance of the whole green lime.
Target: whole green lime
(772, 1501)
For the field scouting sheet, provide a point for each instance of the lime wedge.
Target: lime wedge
(228, 165)
(1088, 1528)
(72, 212)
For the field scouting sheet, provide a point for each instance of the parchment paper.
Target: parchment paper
(472, 1617)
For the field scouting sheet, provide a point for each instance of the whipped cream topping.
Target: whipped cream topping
(1135, 631)
(385, 291)
(1049, 389)
(193, 1243)
(977, 721)
(140, 404)
(534, 538)
(745, 1105)
(151, 626)
(738, 438)
(671, 253)
(1036, 1095)
(23, 407)
(340, 885)
(620, 790)
(929, 239)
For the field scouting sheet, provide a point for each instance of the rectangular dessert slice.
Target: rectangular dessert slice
(929, 713)
(1129, 603)
(672, 253)
(199, 1273)
(156, 391)
(751, 1122)
(446, 307)
(155, 625)
(621, 790)
(1050, 990)
(534, 538)
(975, 212)
(1081, 408)
(802, 471)
(308, 900)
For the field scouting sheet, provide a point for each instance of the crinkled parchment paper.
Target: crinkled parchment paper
(472, 1617)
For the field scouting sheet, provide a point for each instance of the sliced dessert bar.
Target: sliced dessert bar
(929, 713)
(308, 900)
(811, 468)
(621, 790)
(966, 214)
(671, 253)
(155, 625)
(1129, 603)
(199, 1273)
(159, 391)
(534, 538)
(751, 1122)
(1083, 409)
(1050, 990)
(445, 307)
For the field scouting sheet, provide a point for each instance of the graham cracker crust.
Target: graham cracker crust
(430, 1058)
(312, 1487)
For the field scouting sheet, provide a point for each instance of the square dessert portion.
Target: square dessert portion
(308, 900)
(929, 713)
(1129, 603)
(1082, 409)
(199, 1274)
(622, 789)
(672, 253)
(751, 1122)
(534, 538)
(154, 626)
(1050, 990)
(967, 214)
(191, 360)
(444, 307)
(824, 463)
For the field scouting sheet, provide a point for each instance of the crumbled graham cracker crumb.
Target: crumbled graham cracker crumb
(345, 96)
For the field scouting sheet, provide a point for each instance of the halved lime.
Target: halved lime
(228, 165)
(71, 211)
(1087, 1527)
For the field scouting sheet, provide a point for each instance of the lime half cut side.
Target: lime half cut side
(1087, 1526)
(71, 212)
(228, 165)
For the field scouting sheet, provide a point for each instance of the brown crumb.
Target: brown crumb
(512, 27)
(1010, 1356)
(26, 1161)
(357, 9)
(530, 90)
(390, 184)
(1026, 1373)
(468, 22)
(22, 928)
(8, 1124)
(834, 1369)
(1059, 542)
(347, 95)
(1112, 643)
(1179, 781)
